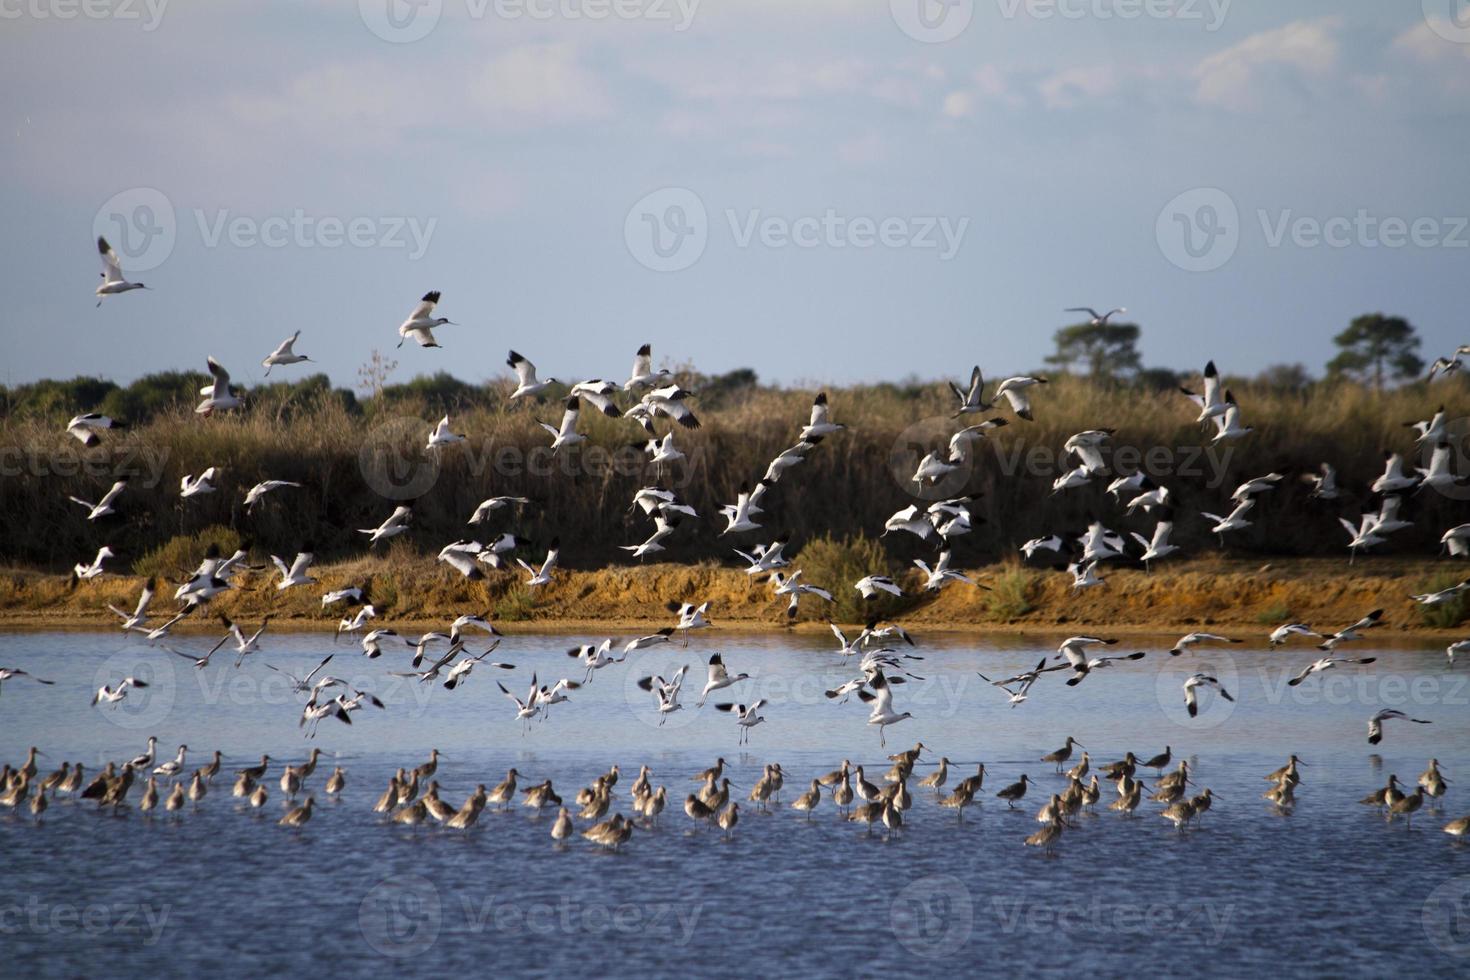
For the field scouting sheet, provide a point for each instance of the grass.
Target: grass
(358, 462)
(1445, 615)
(1009, 598)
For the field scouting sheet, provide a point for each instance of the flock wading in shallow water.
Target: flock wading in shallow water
(649, 397)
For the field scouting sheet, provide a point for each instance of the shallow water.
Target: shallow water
(1327, 890)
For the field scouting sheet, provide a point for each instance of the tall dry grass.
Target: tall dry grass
(846, 489)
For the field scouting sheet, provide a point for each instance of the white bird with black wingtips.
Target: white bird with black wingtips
(219, 396)
(1195, 681)
(566, 433)
(542, 576)
(441, 435)
(527, 384)
(103, 507)
(422, 321)
(284, 354)
(113, 280)
(821, 423)
(84, 428)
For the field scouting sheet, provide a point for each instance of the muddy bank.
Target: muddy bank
(1242, 595)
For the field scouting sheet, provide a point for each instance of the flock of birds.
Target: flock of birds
(444, 656)
(413, 795)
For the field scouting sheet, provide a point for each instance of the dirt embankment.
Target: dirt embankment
(1219, 593)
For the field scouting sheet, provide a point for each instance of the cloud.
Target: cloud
(1266, 66)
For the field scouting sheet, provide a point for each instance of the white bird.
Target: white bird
(356, 621)
(1052, 542)
(1286, 631)
(1152, 497)
(642, 374)
(912, 520)
(1325, 663)
(1455, 649)
(86, 572)
(941, 573)
(1393, 478)
(1388, 516)
(244, 645)
(1442, 596)
(595, 657)
(667, 691)
(194, 486)
(103, 507)
(1364, 535)
(1227, 425)
(463, 557)
(422, 321)
(1431, 430)
(1098, 319)
(493, 553)
(1158, 546)
(1099, 543)
(84, 428)
(6, 673)
(113, 282)
(962, 443)
(284, 354)
(821, 423)
(1234, 521)
(1074, 651)
(1194, 681)
(566, 434)
(1084, 575)
(372, 643)
(296, 572)
(1447, 366)
(1438, 475)
(972, 401)
(1349, 633)
(395, 524)
(652, 639)
(669, 401)
(1324, 483)
(746, 716)
(264, 487)
(542, 576)
(691, 617)
(663, 452)
(488, 507)
(719, 678)
(461, 668)
(527, 384)
(932, 469)
(662, 528)
(219, 396)
(1191, 640)
(599, 394)
(1457, 540)
(1211, 404)
(113, 695)
(440, 435)
(1261, 484)
(882, 712)
(1375, 724)
(765, 558)
(1016, 391)
(789, 586)
(1087, 447)
(528, 708)
(1077, 476)
(174, 766)
(1025, 679)
(133, 621)
(871, 585)
(1132, 483)
(788, 458)
(738, 515)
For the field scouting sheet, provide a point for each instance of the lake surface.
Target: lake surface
(1330, 889)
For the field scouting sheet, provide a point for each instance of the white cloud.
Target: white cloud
(1265, 66)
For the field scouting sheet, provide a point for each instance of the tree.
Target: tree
(1375, 345)
(1289, 378)
(1107, 349)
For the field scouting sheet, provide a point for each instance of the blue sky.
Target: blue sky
(836, 199)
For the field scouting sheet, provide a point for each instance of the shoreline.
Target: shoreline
(1248, 597)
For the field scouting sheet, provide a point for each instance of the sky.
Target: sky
(827, 191)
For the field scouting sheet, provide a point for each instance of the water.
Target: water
(1328, 890)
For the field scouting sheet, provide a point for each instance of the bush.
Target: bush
(182, 553)
(835, 564)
